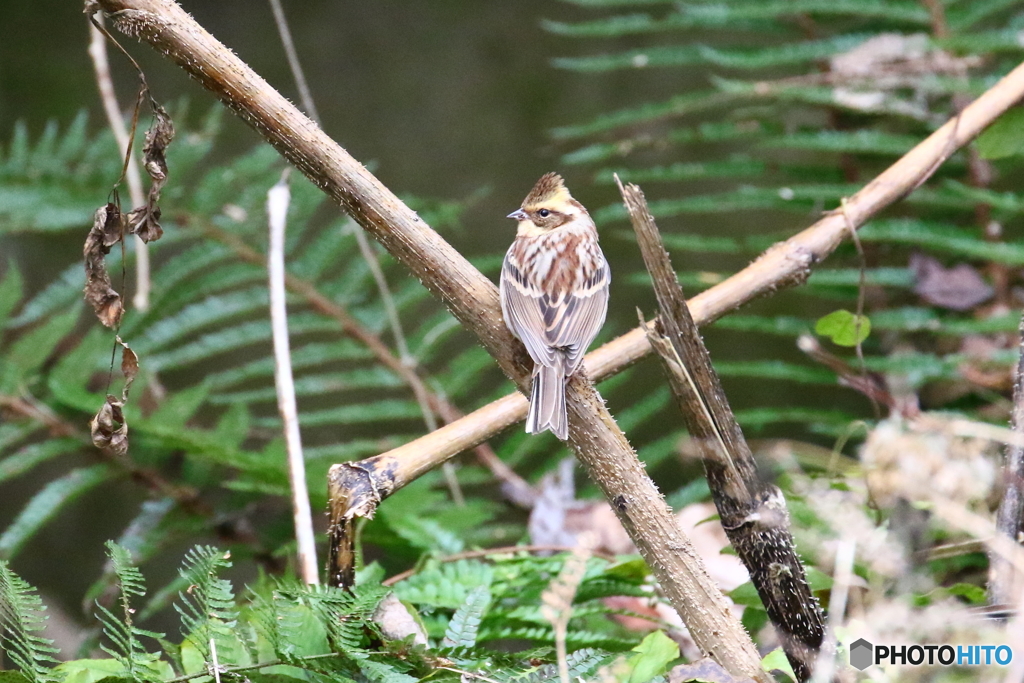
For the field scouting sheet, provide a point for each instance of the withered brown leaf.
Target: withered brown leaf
(106, 231)
(109, 430)
(144, 221)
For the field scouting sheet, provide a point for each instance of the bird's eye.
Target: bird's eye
(543, 213)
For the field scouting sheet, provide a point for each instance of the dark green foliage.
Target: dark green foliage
(284, 630)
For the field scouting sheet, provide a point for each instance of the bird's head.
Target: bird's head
(548, 206)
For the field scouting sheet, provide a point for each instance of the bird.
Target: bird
(554, 294)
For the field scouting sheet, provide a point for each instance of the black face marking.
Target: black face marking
(620, 503)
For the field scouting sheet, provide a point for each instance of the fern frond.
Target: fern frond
(22, 620)
(462, 629)
(207, 606)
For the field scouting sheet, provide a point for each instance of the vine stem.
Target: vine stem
(108, 96)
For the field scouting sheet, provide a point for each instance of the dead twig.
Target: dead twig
(278, 199)
(108, 96)
(753, 513)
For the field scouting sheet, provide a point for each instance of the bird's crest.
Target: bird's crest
(550, 189)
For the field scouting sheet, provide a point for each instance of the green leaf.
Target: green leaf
(655, 653)
(22, 622)
(817, 579)
(696, 491)
(746, 594)
(13, 677)
(844, 328)
(1005, 137)
(90, 670)
(465, 623)
(776, 660)
(974, 594)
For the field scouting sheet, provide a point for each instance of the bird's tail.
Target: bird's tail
(547, 402)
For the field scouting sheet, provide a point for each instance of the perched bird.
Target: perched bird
(554, 294)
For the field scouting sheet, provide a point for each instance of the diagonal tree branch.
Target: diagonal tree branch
(473, 299)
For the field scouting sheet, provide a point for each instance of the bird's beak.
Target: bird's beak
(518, 214)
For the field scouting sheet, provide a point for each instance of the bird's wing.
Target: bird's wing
(521, 304)
(578, 320)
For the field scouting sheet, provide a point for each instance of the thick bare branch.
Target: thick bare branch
(473, 299)
(753, 513)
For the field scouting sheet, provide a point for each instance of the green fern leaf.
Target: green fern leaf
(207, 607)
(465, 623)
(22, 620)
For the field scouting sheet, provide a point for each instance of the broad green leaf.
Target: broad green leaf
(844, 328)
(655, 653)
(972, 593)
(13, 677)
(1005, 137)
(817, 579)
(90, 670)
(696, 491)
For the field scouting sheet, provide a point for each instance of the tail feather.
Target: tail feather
(547, 402)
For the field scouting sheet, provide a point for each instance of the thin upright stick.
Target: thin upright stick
(366, 251)
(305, 95)
(278, 199)
(105, 83)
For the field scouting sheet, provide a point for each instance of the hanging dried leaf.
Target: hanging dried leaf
(109, 430)
(158, 137)
(129, 367)
(959, 288)
(144, 221)
(106, 231)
